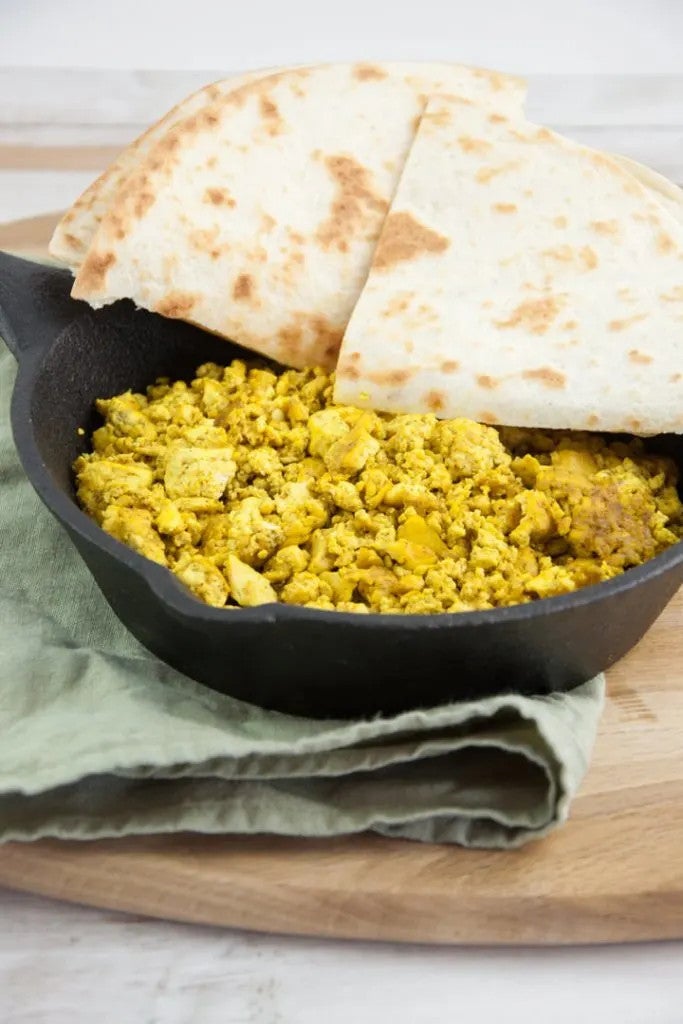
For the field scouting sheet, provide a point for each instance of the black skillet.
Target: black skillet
(292, 659)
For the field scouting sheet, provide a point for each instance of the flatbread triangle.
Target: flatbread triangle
(520, 279)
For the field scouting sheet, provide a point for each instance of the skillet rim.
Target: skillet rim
(168, 589)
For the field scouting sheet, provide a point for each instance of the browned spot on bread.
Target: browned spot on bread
(219, 197)
(354, 357)
(453, 97)
(496, 80)
(355, 207)
(309, 339)
(534, 315)
(348, 370)
(544, 135)
(468, 144)
(408, 346)
(267, 222)
(485, 174)
(560, 222)
(258, 254)
(635, 424)
(143, 199)
(675, 295)
(211, 162)
(290, 340)
(69, 215)
(176, 304)
(289, 270)
(564, 253)
(588, 257)
(435, 400)
(485, 381)
(639, 357)
(116, 225)
(170, 142)
(404, 238)
(93, 273)
(398, 304)
(391, 377)
(625, 294)
(450, 366)
(296, 237)
(271, 115)
(498, 118)
(593, 420)
(75, 243)
(368, 73)
(547, 376)
(569, 325)
(608, 228)
(205, 240)
(665, 243)
(243, 288)
(487, 417)
(622, 325)
(504, 207)
(675, 378)
(524, 136)
(331, 351)
(440, 118)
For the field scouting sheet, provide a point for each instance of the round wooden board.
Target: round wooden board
(614, 873)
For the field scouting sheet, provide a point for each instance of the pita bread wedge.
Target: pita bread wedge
(256, 218)
(76, 229)
(520, 279)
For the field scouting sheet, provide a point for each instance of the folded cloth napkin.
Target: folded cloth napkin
(99, 738)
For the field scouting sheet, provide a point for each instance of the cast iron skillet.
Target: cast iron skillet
(292, 659)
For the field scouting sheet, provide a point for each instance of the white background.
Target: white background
(65, 965)
(595, 36)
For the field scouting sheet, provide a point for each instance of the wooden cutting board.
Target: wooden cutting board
(614, 873)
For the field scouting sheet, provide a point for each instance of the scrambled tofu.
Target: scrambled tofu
(252, 487)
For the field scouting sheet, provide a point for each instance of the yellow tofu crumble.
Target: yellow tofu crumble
(252, 487)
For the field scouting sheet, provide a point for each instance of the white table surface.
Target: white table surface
(61, 964)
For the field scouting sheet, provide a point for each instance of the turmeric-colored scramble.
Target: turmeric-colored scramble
(252, 487)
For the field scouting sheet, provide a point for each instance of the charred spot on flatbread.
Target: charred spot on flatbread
(405, 238)
(546, 376)
(176, 304)
(355, 204)
(93, 272)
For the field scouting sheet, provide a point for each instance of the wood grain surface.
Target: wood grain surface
(614, 873)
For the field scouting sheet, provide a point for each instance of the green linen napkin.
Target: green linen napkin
(99, 738)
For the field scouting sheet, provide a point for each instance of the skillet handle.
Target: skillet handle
(35, 304)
